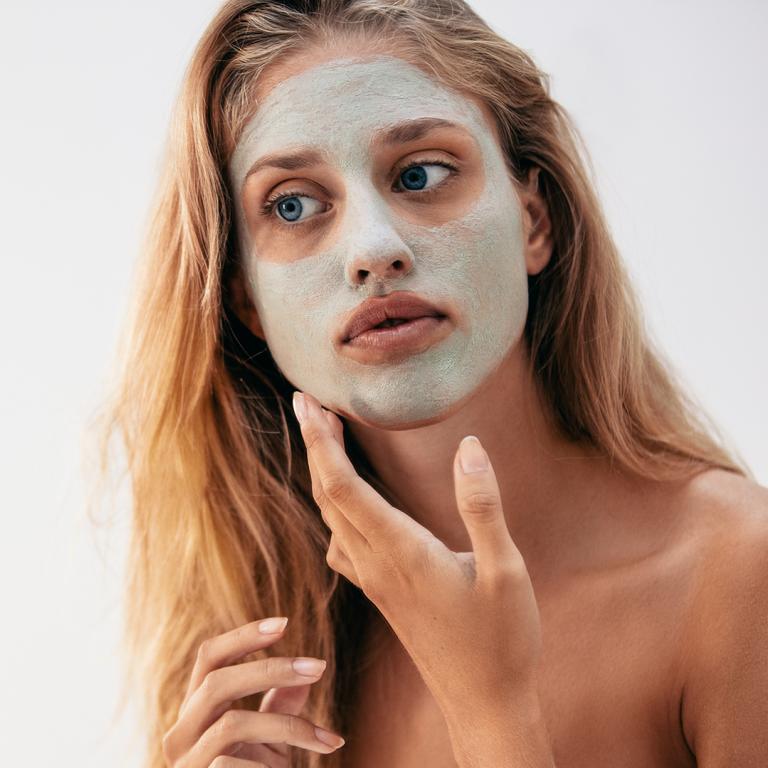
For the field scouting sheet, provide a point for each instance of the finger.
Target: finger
(479, 501)
(236, 762)
(336, 557)
(288, 701)
(336, 426)
(229, 646)
(339, 525)
(377, 521)
(332, 516)
(241, 725)
(222, 687)
(338, 560)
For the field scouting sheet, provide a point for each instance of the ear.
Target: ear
(537, 227)
(241, 303)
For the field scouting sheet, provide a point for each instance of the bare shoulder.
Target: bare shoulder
(727, 506)
(727, 526)
(724, 662)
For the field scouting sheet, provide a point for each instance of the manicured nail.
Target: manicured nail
(300, 407)
(272, 626)
(472, 457)
(310, 667)
(328, 738)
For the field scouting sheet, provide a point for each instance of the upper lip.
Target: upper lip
(404, 305)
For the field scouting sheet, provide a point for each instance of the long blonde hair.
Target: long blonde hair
(224, 528)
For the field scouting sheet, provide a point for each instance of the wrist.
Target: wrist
(512, 732)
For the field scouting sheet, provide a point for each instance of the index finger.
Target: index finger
(374, 517)
(223, 649)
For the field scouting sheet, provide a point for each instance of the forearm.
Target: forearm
(513, 736)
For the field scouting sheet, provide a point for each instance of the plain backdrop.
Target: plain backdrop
(670, 97)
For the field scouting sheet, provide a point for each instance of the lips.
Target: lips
(401, 305)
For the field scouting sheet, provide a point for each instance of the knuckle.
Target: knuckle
(204, 651)
(208, 685)
(296, 728)
(203, 648)
(238, 634)
(167, 745)
(272, 666)
(507, 573)
(228, 723)
(337, 487)
(312, 436)
(482, 502)
(318, 494)
(332, 558)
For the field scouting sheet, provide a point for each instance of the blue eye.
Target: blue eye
(289, 205)
(414, 176)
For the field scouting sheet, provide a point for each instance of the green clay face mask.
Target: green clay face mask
(472, 263)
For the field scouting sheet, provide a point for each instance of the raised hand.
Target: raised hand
(469, 620)
(207, 728)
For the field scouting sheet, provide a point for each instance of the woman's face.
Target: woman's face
(355, 224)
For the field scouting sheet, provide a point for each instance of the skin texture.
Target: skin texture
(477, 608)
(625, 571)
(460, 246)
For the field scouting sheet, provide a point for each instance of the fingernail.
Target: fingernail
(310, 667)
(472, 457)
(328, 738)
(300, 407)
(272, 626)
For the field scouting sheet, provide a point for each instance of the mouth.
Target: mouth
(386, 329)
(392, 322)
(396, 339)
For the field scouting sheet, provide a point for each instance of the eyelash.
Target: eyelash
(271, 203)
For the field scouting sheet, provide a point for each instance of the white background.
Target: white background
(670, 96)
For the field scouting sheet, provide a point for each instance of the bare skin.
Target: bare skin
(209, 732)
(617, 564)
(616, 627)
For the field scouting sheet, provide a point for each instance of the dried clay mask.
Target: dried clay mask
(463, 245)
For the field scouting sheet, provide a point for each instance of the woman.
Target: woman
(534, 597)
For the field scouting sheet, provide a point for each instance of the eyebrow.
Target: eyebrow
(409, 130)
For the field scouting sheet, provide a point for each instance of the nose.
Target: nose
(380, 265)
(377, 252)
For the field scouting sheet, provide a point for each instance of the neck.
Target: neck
(548, 484)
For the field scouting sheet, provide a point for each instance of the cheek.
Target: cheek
(478, 263)
(296, 302)
(476, 251)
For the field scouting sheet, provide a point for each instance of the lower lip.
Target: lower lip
(382, 344)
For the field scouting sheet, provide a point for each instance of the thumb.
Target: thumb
(479, 501)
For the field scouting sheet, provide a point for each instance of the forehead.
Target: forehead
(339, 105)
